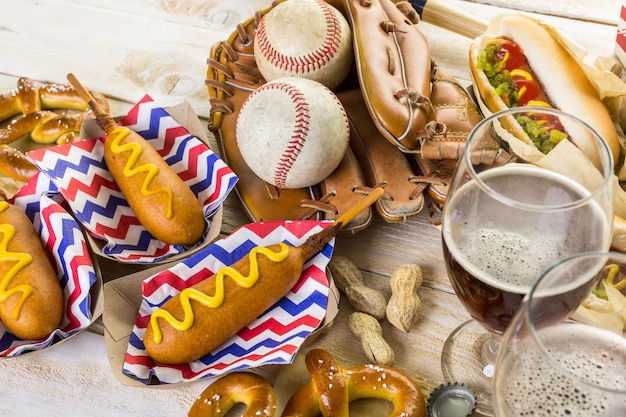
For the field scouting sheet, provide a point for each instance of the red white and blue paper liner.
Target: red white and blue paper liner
(80, 173)
(273, 338)
(65, 243)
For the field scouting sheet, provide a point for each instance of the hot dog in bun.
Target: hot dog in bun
(518, 62)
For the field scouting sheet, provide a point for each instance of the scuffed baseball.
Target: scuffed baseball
(292, 132)
(304, 38)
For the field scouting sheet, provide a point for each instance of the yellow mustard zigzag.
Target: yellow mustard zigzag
(151, 170)
(21, 261)
(217, 299)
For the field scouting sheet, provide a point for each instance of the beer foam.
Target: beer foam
(529, 384)
(510, 247)
(509, 260)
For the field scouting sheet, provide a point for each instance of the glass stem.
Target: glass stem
(489, 352)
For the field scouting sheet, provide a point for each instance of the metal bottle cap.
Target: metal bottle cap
(451, 400)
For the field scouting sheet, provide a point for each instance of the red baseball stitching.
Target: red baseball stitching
(299, 135)
(307, 62)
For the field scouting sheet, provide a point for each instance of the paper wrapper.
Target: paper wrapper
(611, 90)
(80, 173)
(609, 313)
(68, 250)
(273, 338)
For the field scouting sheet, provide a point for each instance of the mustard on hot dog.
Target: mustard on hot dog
(160, 199)
(202, 317)
(31, 299)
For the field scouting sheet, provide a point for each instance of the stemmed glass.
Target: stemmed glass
(506, 220)
(550, 365)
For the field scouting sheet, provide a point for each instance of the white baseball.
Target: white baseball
(304, 38)
(292, 132)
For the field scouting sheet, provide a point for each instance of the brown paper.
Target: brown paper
(122, 296)
(123, 299)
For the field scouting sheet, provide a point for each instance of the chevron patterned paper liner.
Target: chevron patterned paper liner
(273, 338)
(66, 245)
(78, 170)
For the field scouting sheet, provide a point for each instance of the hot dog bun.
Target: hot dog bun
(558, 74)
(618, 242)
(26, 276)
(202, 317)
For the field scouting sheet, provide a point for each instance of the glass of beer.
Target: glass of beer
(511, 212)
(551, 365)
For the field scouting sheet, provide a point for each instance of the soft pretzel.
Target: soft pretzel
(14, 164)
(49, 113)
(332, 388)
(239, 387)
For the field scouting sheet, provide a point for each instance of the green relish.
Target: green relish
(545, 131)
(499, 77)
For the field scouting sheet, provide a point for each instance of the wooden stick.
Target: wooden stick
(103, 118)
(316, 242)
(86, 95)
(359, 207)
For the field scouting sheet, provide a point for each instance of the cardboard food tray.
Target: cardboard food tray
(79, 171)
(80, 279)
(124, 299)
(73, 249)
(184, 114)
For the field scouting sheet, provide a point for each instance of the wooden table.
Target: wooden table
(126, 49)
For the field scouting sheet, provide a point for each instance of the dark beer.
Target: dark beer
(494, 251)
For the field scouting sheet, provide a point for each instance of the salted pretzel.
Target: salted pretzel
(238, 387)
(14, 164)
(49, 113)
(332, 387)
(328, 393)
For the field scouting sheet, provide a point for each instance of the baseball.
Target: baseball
(304, 38)
(292, 132)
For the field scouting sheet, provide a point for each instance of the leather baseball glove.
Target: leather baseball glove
(232, 75)
(409, 120)
(418, 107)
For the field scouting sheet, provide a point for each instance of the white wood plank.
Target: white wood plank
(214, 14)
(74, 379)
(120, 54)
(128, 49)
(600, 11)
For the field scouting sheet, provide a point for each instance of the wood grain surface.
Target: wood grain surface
(126, 49)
